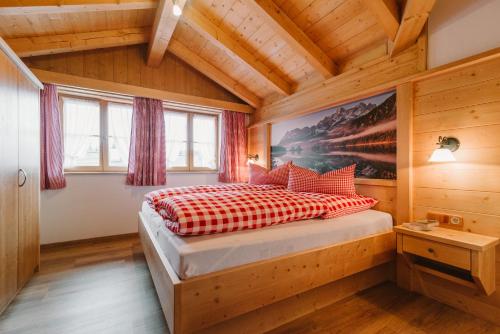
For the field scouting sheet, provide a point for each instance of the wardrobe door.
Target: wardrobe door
(29, 180)
(8, 181)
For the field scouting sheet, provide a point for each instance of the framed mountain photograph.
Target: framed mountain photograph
(362, 132)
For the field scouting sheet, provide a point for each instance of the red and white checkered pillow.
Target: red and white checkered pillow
(337, 182)
(260, 175)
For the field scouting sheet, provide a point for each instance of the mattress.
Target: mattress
(197, 255)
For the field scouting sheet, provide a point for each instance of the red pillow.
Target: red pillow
(260, 175)
(337, 182)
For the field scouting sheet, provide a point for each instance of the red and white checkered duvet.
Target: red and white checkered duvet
(197, 213)
(155, 196)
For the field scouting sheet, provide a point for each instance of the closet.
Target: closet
(19, 174)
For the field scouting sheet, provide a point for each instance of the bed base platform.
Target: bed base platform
(263, 295)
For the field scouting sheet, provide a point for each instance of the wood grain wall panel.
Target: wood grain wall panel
(126, 65)
(404, 106)
(463, 103)
(259, 142)
(8, 181)
(464, 117)
(356, 83)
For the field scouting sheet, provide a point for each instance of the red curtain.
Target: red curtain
(146, 164)
(51, 140)
(233, 156)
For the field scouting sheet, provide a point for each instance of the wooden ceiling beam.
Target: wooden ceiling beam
(163, 28)
(191, 58)
(220, 38)
(295, 37)
(43, 45)
(415, 16)
(27, 7)
(387, 15)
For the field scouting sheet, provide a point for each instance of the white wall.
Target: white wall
(96, 205)
(462, 28)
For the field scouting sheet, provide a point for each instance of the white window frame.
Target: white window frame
(103, 166)
(190, 167)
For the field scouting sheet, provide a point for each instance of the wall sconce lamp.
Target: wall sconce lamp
(252, 158)
(447, 145)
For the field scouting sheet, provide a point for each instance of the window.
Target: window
(191, 141)
(96, 134)
(97, 137)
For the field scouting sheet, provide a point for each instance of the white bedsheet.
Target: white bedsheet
(196, 255)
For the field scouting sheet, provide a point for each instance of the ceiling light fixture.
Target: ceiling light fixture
(176, 10)
(447, 145)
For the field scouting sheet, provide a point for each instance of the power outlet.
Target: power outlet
(447, 221)
(456, 220)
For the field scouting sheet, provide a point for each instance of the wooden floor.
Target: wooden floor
(105, 287)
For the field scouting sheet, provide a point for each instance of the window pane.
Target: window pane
(204, 141)
(176, 139)
(119, 126)
(81, 122)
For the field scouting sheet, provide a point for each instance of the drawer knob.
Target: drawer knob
(430, 250)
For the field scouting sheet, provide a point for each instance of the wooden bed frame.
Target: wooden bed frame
(263, 295)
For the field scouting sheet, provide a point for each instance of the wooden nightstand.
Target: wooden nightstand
(461, 257)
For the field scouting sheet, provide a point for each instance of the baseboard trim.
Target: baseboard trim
(79, 242)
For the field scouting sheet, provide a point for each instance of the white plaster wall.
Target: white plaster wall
(462, 28)
(96, 205)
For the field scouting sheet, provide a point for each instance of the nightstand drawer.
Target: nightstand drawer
(452, 255)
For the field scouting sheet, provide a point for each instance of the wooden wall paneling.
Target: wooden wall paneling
(463, 103)
(126, 65)
(8, 181)
(29, 193)
(386, 196)
(131, 90)
(374, 77)
(365, 56)
(404, 97)
(259, 142)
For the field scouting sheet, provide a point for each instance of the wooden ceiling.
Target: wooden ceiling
(259, 50)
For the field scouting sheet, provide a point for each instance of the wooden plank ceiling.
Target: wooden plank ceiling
(259, 50)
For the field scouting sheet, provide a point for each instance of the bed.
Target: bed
(265, 277)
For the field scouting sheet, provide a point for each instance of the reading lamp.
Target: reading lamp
(443, 153)
(252, 158)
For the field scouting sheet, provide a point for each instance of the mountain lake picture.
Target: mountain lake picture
(361, 132)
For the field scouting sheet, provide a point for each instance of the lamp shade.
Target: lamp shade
(442, 155)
